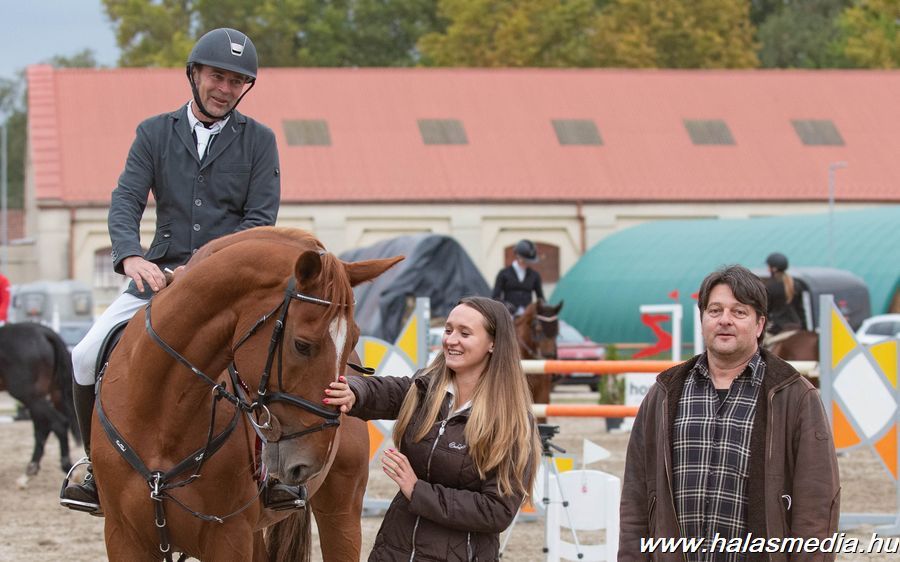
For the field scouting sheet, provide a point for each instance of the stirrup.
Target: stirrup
(87, 507)
(282, 497)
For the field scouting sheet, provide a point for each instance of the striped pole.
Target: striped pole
(583, 410)
(556, 366)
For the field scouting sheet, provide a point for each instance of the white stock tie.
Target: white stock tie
(203, 137)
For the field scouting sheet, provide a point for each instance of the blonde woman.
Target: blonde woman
(468, 445)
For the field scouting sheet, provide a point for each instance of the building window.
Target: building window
(307, 132)
(708, 132)
(104, 276)
(442, 131)
(547, 265)
(817, 132)
(574, 132)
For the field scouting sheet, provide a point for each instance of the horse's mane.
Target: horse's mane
(293, 236)
(333, 280)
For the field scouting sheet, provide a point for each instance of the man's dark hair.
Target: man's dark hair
(747, 288)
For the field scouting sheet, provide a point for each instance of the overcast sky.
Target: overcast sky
(35, 30)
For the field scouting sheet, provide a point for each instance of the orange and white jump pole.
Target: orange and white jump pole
(607, 367)
(583, 410)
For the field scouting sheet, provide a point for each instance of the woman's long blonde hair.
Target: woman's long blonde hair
(500, 433)
(788, 283)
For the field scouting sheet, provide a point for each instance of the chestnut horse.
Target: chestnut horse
(536, 330)
(268, 313)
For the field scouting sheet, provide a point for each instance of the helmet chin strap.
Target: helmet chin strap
(199, 103)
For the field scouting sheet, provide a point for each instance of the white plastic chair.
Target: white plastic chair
(593, 499)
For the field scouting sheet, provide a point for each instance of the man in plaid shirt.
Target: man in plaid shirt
(732, 445)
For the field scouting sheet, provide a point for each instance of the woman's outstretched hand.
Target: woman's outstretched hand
(339, 394)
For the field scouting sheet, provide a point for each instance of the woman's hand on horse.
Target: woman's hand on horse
(397, 467)
(140, 270)
(339, 394)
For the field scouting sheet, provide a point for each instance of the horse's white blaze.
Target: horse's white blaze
(338, 332)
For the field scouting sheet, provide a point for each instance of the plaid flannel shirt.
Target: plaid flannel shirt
(711, 455)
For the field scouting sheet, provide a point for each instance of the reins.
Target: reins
(159, 481)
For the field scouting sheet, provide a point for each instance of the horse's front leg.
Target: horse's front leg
(121, 545)
(236, 543)
(338, 503)
(259, 547)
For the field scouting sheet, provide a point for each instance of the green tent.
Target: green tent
(664, 262)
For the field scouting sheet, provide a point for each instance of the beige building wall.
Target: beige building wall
(483, 230)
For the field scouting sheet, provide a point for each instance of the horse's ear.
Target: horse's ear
(367, 270)
(558, 307)
(308, 266)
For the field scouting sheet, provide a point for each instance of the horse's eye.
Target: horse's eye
(302, 347)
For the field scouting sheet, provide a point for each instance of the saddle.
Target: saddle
(771, 339)
(109, 343)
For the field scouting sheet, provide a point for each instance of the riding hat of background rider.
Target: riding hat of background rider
(228, 49)
(777, 261)
(526, 250)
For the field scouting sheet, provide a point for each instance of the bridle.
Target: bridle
(264, 396)
(269, 430)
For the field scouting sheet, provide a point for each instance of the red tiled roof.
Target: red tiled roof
(82, 123)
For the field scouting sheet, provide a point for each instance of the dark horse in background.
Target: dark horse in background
(536, 330)
(36, 370)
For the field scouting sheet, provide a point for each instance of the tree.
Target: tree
(676, 34)
(869, 34)
(489, 33)
(761, 10)
(152, 33)
(802, 35)
(13, 106)
(285, 32)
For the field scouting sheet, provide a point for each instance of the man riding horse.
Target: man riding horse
(212, 171)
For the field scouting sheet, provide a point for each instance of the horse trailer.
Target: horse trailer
(66, 306)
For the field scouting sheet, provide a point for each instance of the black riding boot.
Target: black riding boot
(83, 496)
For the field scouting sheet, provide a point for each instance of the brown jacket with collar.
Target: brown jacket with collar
(454, 515)
(793, 488)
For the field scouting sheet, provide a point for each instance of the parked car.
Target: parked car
(572, 345)
(878, 328)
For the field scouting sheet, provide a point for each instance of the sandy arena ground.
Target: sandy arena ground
(33, 527)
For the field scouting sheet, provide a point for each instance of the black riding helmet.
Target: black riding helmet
(777, 261)
(228, 49)
(526, 250)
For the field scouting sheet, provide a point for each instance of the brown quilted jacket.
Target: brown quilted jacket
(453, 515)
